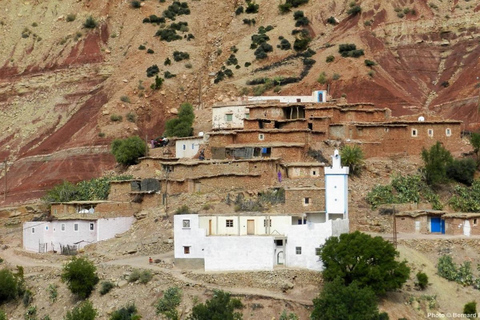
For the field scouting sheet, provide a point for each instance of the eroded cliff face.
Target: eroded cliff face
(60, 83)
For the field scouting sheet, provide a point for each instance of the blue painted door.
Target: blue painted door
(435, 224)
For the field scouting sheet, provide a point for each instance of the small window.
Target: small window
(278, 243)
(63, 227)
(46, 228)
(75, 227)
(474, 222)
(186, 223)
(229, 117)
(298, 250)
(193, 146)
(229, 223)
(184, 147)
(33, 230)
(317, 251)
(314, 173)
(186, 250)
(247, 115)
(261, 137)
(448, 132)
(414, 132)
(306, 201)
(92, 226)
(430, 132)
(265, 222)
(386, 129)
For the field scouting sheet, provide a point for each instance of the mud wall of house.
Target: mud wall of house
(306, 172)
(295, 200)
(289, 154)
(227, 183)
(267, 113)
(120, 191)
(407, 224)
(266, 137)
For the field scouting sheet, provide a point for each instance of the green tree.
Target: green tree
(462, 170)
(470, 309)
(352, 156)
(169, 303)
(422, 280)
(436, 160)
(370, 261)
(475, 142)
(84, 311)
(181, 126)
(128, 312)
(220, 307)
(127, 151)
(351, 302)
(9, 286)
(81, 277)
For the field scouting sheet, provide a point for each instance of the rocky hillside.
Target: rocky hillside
(63, 86)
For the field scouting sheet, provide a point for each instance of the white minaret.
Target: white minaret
(336, 189)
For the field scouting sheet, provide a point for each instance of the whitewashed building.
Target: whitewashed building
(260, 241)
(317, 96)
(187, 147)
(44, 236)
(228, 116)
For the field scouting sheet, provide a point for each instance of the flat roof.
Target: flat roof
(304, 164)
(418, 213)
(266, 144)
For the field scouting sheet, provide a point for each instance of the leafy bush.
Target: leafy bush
(135, 4)
(466, 199)
(470, 309)
(167, 305)
(128, 312)
(286, 7)
(150, 51)
(152, 71)
(27, 298)
(168, 75)
(71, 17)
(183, 210)
(284, 45)
(403, 189)
(9, 286)
(370, 63)
(220, 306)
(239, 10)
(154, 19)
(90, 23)
(168, 35)
(105, 287)
(475, 142)
(81, 276)
(31, 313)
(3, 315)
(232, 60)
(125, 99)
(330, 59)
(446, 268)
(302, 42)
(179, 56)
(167, 62)
(322, 78)
(462, 170)
(180, 26)
(182, 125)
(134, 276)
(252, 7)
(127, 151)
(335, 302)
(422, 280)
(157, 84)
(176, 9)
(84, 311)
(141, 47)
(52, 292)
(332, 21)
(131, 117)
(354, 10)
(436, 160)
(301, 20)
(116, 118)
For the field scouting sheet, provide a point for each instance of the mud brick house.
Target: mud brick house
(259, 241)
(311, 123)
(420, 221)
(460, 223)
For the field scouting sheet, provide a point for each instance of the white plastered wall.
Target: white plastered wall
(109, 228)
(187, 148)
(192, 237)
(219, 117)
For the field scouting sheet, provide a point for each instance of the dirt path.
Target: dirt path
(15, 257)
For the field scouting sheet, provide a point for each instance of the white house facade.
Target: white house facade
(228, 117)
(187, 147)
(317, 96)
(44, 236)
(259, 241)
